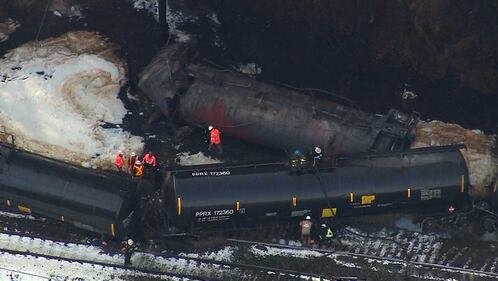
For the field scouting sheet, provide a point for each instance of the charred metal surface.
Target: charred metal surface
(164, 77)
(270, 115)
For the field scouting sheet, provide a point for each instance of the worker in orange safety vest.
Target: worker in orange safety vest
(215, 139)
(150, 160)
(119, 161)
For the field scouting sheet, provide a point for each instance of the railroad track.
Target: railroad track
(411, 250)
(153, 264)
(101, 265)
(412, 253)
(77, 253)
(472, 258)
(224, 270)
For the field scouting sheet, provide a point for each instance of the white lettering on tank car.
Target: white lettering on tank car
(428, 194)
(216, 215)
(199, 174)
(203, 214)
(223, 212)
(219, 173)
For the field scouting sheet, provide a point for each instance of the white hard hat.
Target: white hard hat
(318, 150)
(120, 152)
(133, 153)
(138, 162)
(210, 127)
(308, 217)
(130, 242)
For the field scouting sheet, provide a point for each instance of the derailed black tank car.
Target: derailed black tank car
(98, 202)
(377, 182)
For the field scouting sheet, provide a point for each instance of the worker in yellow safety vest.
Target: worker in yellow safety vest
(326, 233)
(138, 169)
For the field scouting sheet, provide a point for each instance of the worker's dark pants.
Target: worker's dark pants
(136, 179)
(149, 170)
(325, 240)
(305, 238)
(127, 255)
(216, 147)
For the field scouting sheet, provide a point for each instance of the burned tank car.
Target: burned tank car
(267, 114)
(422, 178)
(98, 202)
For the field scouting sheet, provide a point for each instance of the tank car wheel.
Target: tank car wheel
(430, 225)
(489, 224)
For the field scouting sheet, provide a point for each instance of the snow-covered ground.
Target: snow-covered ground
(479, 153)
(30, 268)
(55, 95)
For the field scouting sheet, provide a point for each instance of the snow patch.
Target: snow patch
(187, 159)
(225, 254)
(175, 21)
(24, 268)
(55, 97)
(296, 253)
(345, 264)
(150, 6)
(17, 216)
(252, 69)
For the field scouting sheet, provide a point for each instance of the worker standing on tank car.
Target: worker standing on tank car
(297, 161)
(131, 161)
(119, 161)
(138, 170)
(215, 140)
(317, 156)
(294, 160)
(128, 248)
(306, 225)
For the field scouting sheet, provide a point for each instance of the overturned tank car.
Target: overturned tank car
(267, 114)
(101, 202)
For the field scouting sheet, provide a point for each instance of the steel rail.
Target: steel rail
(104, 264)
(233, 265)
(375, 257)
(243, 267)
